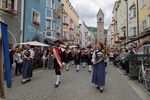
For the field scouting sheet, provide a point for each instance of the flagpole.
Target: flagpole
(2, 92)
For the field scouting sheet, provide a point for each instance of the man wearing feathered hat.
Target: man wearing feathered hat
(66, 57)
(77, 57)
(89, 57)
(58, 64)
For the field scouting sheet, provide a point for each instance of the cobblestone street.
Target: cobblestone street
(75, 86)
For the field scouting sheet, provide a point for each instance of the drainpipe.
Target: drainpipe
(22, 20)
(138, 20)
(127, 19)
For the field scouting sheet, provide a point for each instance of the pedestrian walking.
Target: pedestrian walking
(98, 58)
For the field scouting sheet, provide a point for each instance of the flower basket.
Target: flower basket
(11, 11)
(64, 23)
(58, 33)
(36, 23)
(122, 37)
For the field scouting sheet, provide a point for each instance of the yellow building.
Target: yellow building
(144, 20)
(70, 24)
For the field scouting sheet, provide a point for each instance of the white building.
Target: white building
(87, 36)
(110, 33)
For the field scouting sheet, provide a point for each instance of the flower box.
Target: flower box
(64, 23)
(36, 23)
(122, 37)
(11, 11)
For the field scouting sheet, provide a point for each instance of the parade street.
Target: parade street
(76, 86)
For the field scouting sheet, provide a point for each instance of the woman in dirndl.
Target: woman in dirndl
(98, 58)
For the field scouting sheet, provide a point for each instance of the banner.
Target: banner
(58, 58)
(4, 32)
(2, 93)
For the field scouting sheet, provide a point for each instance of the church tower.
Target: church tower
(100, 27)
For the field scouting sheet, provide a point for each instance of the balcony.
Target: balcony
(10, 11)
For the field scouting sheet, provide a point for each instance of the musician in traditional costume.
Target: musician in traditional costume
(83, 58)
(98, 58)
(106, 51)
(66, 56)
(77, 57)
(58, 64)
(28, 56)
(72, 56)
(89, 58)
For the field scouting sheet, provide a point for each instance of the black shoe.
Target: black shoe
(89, 71)
(67, 69)
(28, 80)
(98, 87)
(77, 70)
(23, 82)
(59, 82)
(56, 85)
(101, 90)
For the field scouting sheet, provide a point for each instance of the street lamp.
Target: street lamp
(127, 18)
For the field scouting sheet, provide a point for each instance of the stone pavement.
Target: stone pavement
(75, 86)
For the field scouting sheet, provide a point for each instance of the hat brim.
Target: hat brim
(58, 41)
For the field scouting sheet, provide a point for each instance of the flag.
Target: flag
(4, 32)
(2, 93)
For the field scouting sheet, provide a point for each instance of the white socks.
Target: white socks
(77, 67)
(58, 79)
(90, 67)
(67, 66)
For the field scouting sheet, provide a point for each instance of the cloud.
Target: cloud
(88, 9)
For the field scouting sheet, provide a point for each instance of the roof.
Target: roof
(100, 11)
(93, 29)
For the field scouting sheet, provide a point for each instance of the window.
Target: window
(134, 12)
(143, 25)
(58, 29)
(65, 19)
(35, 18)
(8, 4)
(143, 3)
(133, 31)
(65, 35)
(49, 3)
(149, 20)
(48, 24)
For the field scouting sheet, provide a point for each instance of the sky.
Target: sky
(88, 9)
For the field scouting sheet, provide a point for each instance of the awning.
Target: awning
(145, 34)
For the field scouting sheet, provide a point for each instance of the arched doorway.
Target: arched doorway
(11, 39)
